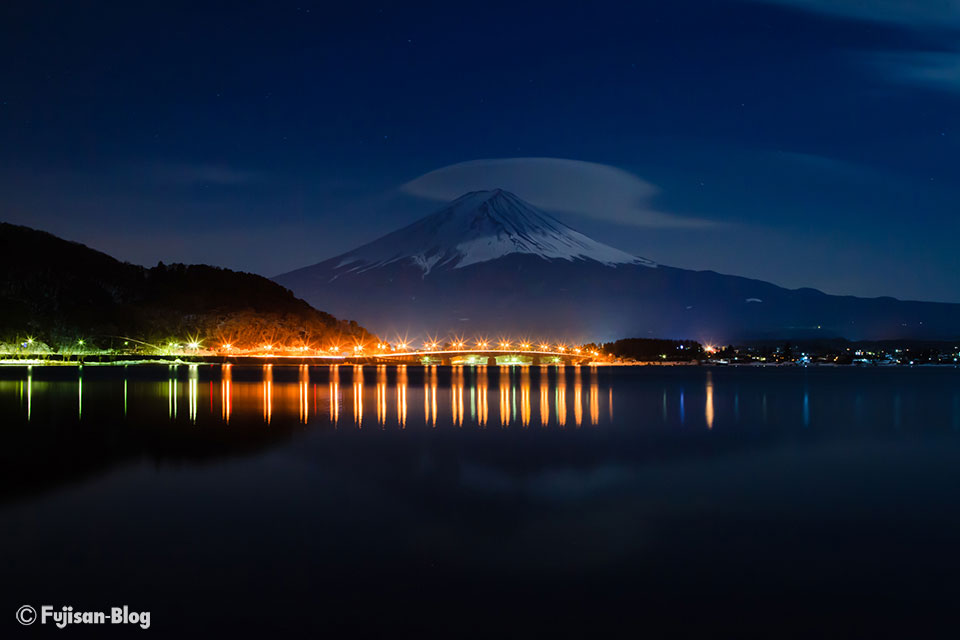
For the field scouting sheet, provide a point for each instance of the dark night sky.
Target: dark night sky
(806, 142)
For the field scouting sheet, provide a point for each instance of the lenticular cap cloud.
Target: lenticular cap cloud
(589, 189)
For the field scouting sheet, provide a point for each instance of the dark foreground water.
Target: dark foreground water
(509, 502)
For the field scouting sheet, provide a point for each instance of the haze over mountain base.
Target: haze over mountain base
(491, 264)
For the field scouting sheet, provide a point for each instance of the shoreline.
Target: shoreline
(300, 361)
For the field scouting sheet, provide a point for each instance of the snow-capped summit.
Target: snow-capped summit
(478, 227)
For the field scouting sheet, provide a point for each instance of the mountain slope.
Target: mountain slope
(490, 264)
(58, 291)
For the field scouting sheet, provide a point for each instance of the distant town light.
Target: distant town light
(194, 345)
(228, 346)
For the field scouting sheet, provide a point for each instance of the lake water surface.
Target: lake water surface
(511, 501)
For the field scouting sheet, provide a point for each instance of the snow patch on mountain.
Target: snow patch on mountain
(482, 226)
(556, 247)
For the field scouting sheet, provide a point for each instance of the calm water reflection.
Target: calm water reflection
(456, 396)
(394, 397)
(581, 498)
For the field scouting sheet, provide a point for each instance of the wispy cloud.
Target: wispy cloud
(935, 66)
(932, 69)
(906, 12)
(588, 189)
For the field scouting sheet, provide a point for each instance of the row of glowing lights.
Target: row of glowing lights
(458, 345)
(402, 346)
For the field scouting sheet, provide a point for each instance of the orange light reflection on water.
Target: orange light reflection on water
(561, 396)
(358, 395)
(267, 393)
(282, 394)
(402, 396)
(525, 396)
(544, 396)
(304, 388)
(382, 395)
(226, 392)
(504, 396)
(483, 407)
(577, 397)
(335, 394)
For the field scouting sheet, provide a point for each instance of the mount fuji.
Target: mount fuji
(491, 264)
(479, 227)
